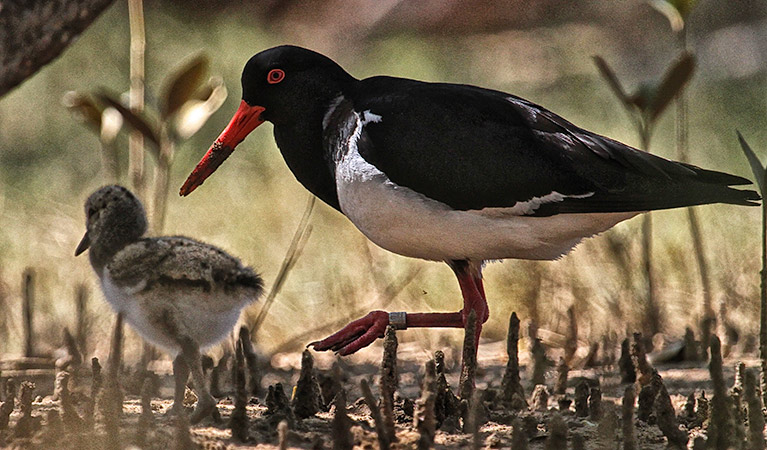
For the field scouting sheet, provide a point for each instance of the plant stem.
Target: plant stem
(652, 310)
(161, 182)
(682, 141)
(763, 306)
(136, 140)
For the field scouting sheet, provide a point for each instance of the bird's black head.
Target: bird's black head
(284, 85)
(289, 81)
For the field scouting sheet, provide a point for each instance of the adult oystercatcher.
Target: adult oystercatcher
(449, 172)
(177, 293)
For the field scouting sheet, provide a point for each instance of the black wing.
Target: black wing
(473, 148)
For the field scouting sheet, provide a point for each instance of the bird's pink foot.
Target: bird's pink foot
(358, 334)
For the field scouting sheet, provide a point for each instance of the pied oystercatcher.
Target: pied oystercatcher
(449, 172)
(177, 293)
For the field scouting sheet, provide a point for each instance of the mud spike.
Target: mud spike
(627, 418)
(238, 421)
(469, 359)
(720, 430)
(27, 424)
(7, 407)
(111, 399)
(540, 362)
(581, 399)
(646, 399)
(146, 419)
(626, 365)
(375, 413)
(755, 418)
(306, 401)
(389, 379)
(217, 371)
(595, 403)
(571, 339)
(557, 439)
(511, 381)
(562, 372)
(70, 417)
(424, 417)
(282, 435)
(540, 398)
(666, 417)
(251, 358)
(519, 439)
(639, 357)
(341, 424)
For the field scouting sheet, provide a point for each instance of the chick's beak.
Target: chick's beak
(85, 242)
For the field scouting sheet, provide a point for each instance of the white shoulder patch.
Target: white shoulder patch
(368, 117)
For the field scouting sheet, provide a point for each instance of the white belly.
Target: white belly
(161, 314)
(410, 224)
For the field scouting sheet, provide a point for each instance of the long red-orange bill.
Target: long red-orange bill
(245, 120)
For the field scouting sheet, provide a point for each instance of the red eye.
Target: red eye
(275, 76)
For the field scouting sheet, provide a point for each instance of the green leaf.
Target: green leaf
(756, 165)
(672, 84)
(137, 121)
(181, 85)
(612, 80)
(83, 106)
(675, 18)
(683, 6)
(641, 97)
(195, 112)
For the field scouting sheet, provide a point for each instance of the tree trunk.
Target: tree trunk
(34, 32)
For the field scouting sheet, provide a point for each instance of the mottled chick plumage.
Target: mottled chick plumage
(177, 293)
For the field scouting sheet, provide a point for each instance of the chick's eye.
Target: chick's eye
(275, 76)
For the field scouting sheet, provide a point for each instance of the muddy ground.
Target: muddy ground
(500, 425)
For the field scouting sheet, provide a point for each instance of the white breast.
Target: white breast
(161, 314)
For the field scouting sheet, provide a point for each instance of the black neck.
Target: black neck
(301, 147)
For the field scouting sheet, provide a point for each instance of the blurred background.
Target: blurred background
(50, 162)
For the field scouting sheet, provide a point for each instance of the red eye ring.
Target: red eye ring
(275, 76)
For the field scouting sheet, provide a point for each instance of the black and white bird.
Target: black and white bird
(449, 172)
(177, 293)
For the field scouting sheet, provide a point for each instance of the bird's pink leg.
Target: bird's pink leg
(364, 331)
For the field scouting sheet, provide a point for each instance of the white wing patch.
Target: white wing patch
(530, 206)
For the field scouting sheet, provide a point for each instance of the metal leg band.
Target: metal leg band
(398, 320)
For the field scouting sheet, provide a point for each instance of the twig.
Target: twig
(389, 295)
(28, 290)
(136, 140)
(291, 256)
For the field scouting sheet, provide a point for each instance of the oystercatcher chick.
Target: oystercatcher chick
(180, 294)
(449, 172)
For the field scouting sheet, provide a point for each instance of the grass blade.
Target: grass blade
(753, 160)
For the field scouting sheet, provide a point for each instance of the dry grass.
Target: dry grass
(252, 206)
